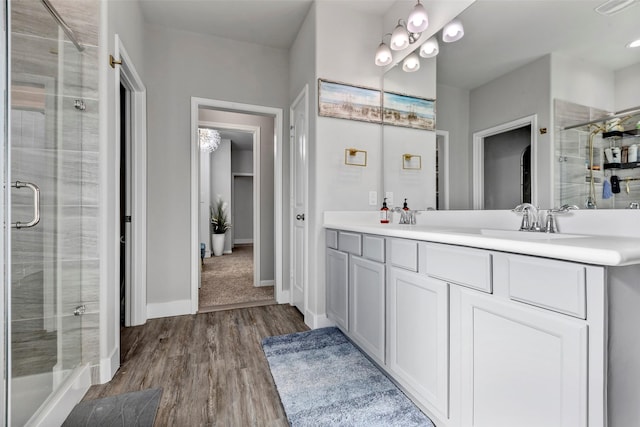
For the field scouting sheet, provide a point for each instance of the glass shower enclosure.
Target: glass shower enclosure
(44, 178)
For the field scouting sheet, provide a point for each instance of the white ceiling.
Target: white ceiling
(500, 35)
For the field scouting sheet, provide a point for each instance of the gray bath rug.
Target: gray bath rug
(323, 380)
(127, 410)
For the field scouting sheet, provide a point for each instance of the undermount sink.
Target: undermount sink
(526, 235)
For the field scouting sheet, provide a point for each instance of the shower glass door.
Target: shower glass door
(45, 78)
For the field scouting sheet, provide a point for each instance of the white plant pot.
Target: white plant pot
(218, 244)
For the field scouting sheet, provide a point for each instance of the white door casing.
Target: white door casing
(281, 295)
(299, 120)
(138, 158)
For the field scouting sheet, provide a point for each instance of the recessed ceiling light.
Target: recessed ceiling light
(635, 43)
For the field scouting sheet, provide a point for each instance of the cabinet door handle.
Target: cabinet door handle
(36, 204)
(300, 217)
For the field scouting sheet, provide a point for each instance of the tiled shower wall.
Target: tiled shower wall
(56, 147)
(572, 174)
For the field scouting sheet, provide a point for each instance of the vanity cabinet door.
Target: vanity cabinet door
(366, 306)
(517, 366)
(337, 292)
(418, 319)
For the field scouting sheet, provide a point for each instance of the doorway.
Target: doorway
(235, 274)
(504, 173)
(267, 188)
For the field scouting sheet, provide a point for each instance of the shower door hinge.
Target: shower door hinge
(127, 218)
(80, 310)
(79, 104)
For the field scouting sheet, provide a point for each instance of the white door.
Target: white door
(298, 119)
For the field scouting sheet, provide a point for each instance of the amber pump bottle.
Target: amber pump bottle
(384, 212)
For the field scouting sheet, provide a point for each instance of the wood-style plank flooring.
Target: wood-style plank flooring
(210, 366)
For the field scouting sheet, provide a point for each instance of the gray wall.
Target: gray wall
(521, 93)
(452, 115)
(241, 161)
(180, 65)
(502, 159)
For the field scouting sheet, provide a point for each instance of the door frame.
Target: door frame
(443, 167)
(137, 290)
(281, 296)
(478, 156)
(255, 132)
(303, 95)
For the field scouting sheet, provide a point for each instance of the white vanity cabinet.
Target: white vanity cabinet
(483, 338)
(520, 356)
(418, 336)
(367, 306)
(517, 366)
(337, 292)
(355, 290)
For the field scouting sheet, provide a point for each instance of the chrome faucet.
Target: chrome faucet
(529, 217)
(550, 223)
(407, 216)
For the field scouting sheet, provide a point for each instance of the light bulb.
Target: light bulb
(411, 63)
(418, 20)
(399, 38)
(430, 48)
(453, 31)
(383, 55)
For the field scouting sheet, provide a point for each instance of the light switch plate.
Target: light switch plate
(389, 196)
(373, 198)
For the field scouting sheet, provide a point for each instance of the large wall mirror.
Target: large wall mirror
(509, 97)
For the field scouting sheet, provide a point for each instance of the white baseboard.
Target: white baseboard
(168, 309)
(284, 297)
(60, 405)
(266, 283)
(243, 242)
(316, 321)
(109, 366)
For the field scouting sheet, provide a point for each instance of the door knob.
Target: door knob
(300, 217)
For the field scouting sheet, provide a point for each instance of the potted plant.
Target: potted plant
(219, 226)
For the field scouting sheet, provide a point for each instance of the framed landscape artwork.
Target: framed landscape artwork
(349, 102)
(408, 111)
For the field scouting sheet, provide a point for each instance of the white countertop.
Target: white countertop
(590, 249)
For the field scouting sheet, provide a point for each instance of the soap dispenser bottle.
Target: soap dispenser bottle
(384, 212)
(404, 205)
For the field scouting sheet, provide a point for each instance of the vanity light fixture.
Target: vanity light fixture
(418, 20)
(635, 43)
(383, 53)
(411, 63)
(209, 139)
(453, 31)
(430, 48)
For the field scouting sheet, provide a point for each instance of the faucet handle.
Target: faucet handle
(526, 221)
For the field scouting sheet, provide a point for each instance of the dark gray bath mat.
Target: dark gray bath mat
(127, 410)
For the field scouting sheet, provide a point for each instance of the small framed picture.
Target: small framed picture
(344, 101)
(408, 111)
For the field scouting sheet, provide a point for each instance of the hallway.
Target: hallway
(210, 366)
(227, 282)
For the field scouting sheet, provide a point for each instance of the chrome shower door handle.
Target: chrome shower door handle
(36, 204)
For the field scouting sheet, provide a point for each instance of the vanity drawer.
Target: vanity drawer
(555, 285)
(350, 242)
(462, 266)
(331, 236)
(373, 248)
(404, 254)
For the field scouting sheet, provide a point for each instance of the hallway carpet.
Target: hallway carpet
(227, 280)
